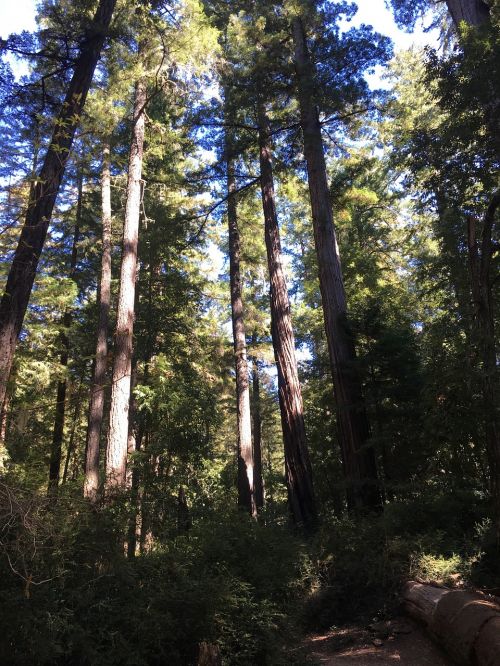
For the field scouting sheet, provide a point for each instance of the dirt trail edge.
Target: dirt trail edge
(399, 641)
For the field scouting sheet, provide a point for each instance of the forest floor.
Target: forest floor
(399, 641)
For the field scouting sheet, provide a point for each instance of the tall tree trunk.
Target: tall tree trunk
(72, 437)
(358, 456)
(4, 420)
(97, 391)
(58, 432)
(257, 430)
(297, 463)
(472, 12)
(116, 454)
(480, 264)
(44, 192)
(246, 490)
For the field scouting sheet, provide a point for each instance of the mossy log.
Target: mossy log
(466, 624)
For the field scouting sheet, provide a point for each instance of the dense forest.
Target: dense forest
(249, 378)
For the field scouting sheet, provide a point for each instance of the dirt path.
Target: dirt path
(398, 642)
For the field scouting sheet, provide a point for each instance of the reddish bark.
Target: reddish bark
(297, 463)
(357, 455)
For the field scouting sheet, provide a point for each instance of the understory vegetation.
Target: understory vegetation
(249, 324)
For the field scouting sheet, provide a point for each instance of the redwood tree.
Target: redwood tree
(297, 463)
(357, 455)
(96, 406)
(44, 191)
(246, 491)
(116, 453)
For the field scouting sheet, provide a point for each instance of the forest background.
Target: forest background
(210, 433)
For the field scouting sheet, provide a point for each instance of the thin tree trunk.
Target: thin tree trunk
(472, 12)
(358, 456)
(58, 432)
(44, 192)
(72, 437)
(484, 321)
(246, 490)
(4, 419)
(257, 431)
(97, 391)
(183, 518)
(297, 463)
(116, 454)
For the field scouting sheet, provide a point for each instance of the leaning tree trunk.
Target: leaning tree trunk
(472, 12)
(58, 432)
(297, 463)
(44, 192)
(358, 456)
(116, 453)
(257, 430)
(481, 282)
(96, 406)
(246, 490)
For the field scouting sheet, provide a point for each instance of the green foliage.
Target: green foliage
(78, 600)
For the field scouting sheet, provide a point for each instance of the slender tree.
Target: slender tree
(297, 463)
(58, 432)
(357, 455)
(97, 390)
(257, 429)
(246, 490)
(45, 189)
(116, 453)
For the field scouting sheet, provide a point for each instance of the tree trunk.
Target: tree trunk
(44, 192)
(358, 456)
(97, 391)
(4, 419)
(467, 624)
(472, 12)
(183, 518)
(72, 438)
(116, 454)
(246, 491)
(485, 329)
(257, 432)
(58, 432)
(297, 463)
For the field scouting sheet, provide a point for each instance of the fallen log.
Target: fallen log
(466, 624)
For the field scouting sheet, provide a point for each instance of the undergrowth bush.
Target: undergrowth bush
(76, 599)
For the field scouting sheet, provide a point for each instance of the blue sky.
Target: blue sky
(17, 15)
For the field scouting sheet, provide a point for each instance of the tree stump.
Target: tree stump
(209, 655)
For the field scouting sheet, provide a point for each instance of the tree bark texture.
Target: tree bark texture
(467, 624)
(44, 192)
(97, 391)
(58, 431)
(116, 453)
(72, 437)
(472, 12)
(357, 455)
(481, 282)
(297, 463)
(4, 419)
(257, 433)
(246, 490)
